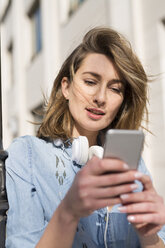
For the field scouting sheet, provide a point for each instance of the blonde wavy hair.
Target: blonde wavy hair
(57, 120)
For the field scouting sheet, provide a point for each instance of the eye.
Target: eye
(117, 90)
(90, 82)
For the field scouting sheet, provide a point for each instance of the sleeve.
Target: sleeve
(25, 218)
(142, 168)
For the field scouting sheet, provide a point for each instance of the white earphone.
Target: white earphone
(58, 142)
(81, 151)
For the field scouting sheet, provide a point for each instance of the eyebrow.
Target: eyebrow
(98, 76)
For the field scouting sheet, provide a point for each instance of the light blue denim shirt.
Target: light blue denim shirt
(38, 175)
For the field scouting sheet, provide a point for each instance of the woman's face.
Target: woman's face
(95, 95)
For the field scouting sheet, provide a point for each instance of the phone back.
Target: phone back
(126, 145)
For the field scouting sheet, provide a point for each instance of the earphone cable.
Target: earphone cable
(106, 228)
(64, 152)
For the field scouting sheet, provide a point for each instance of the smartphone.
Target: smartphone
(125, 145)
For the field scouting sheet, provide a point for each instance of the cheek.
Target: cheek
(75, 106)
(80, 94)
(119, 103)
(115, 104)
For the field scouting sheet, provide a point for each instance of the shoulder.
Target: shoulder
(26, 149)
(20, 143)
(30, 149)
(18, 146)
(27, 144)
(19, 154)
(28, 155)
(21, 146)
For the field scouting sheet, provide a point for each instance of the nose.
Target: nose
(100, 97)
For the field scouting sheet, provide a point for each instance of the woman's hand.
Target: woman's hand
(146, 209)
(97, 185)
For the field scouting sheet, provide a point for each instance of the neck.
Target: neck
(92, 140)
(91, 136)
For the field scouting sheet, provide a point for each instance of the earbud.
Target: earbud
(81, 151)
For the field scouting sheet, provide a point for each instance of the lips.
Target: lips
(95, 111)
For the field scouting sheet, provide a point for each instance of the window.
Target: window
(13, 126)
(35, 18)
(10, 65)
(38, 114)
(5, 6)
(67, 8)
(163, 21)
(73, 5)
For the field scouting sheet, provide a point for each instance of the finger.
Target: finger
(116, 178)
(138, 226)
(106, 202)
(146, 181)
(107, 192)
(139, 197)
(98, 166)
(144, 207)
(154, 218)
(149, 229)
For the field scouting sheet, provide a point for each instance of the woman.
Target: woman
(54, 201)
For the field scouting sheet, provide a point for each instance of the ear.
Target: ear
(65, 87)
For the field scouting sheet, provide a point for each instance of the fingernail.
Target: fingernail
(126, 166)
(134, 186)
(138, 174)
(131, 218)
(124, 196)
(122, 209)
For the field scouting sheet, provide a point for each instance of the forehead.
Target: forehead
(100, 64)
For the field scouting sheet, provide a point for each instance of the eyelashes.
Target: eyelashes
(117, 89)
(89, 82)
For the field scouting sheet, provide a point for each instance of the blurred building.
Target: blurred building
(37, 35)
